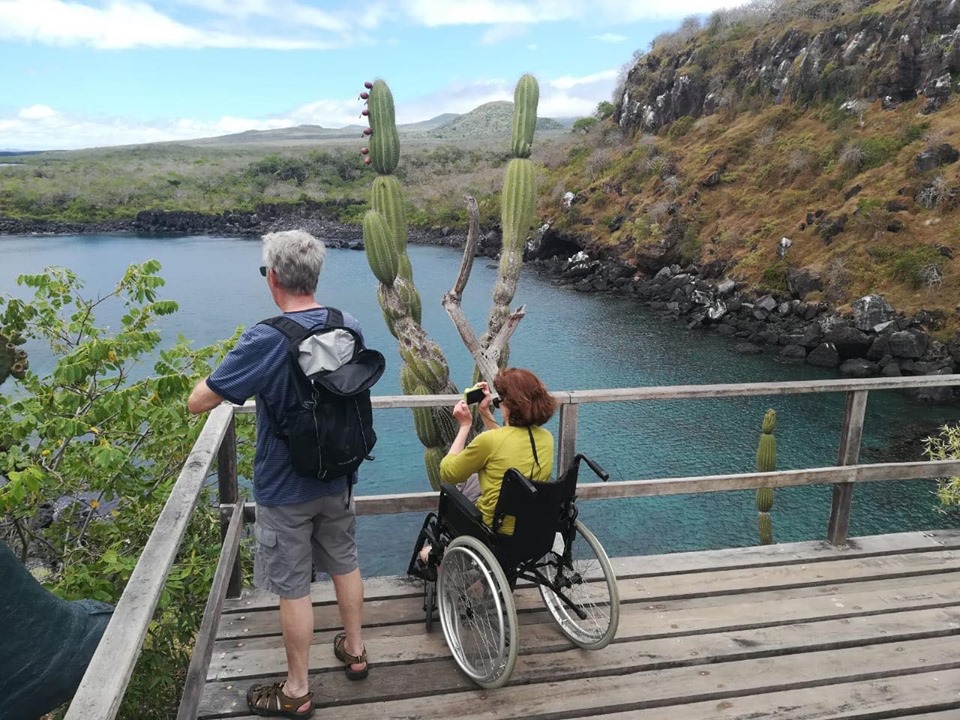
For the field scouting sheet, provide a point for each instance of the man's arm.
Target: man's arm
(202, 398)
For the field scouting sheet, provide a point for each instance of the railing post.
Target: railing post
(849, 454)
(568, 436)
(229, 494)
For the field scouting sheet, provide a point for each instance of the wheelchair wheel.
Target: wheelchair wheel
(477, 612)
(587, 580)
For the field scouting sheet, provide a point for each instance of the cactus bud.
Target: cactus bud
(364, 96)
(368, 85)
(368, 131)
(367, 160)
(364, 150)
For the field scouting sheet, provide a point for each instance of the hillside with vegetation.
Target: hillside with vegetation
(806, 149)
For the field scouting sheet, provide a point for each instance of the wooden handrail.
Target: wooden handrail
(103, 685)
(203, 650)
(109, 671)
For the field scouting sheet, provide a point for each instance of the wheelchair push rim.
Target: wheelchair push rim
(588, 582)
(477, 612)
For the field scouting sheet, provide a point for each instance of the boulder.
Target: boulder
(859, 368)
(824, 355)
(849, 342)
(802, 282)
(870, 311)
(907, 344)
(793, 352)
(932, 158)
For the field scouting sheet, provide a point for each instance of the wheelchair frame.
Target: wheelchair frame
(541, 512)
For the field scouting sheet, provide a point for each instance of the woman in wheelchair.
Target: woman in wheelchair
(511, 524)
(521, 442)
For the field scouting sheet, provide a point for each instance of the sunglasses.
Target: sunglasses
(263, 270)
(496, 401)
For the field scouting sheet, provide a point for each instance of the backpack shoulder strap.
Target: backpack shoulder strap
(290, 328)
(334, 317)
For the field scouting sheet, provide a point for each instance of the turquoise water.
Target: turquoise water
(573, 341)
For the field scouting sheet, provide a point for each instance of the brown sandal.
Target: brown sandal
(347, 659)
(269, 700)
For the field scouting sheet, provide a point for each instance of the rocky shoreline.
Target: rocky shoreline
(875, 340)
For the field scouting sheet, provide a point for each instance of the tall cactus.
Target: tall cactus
(425, 370)
(517, 206)
(766, 462)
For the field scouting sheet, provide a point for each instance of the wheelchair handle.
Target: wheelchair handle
(598, 471)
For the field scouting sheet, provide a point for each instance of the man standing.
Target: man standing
(301, 522)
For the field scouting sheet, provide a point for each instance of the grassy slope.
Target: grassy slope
(776, 164)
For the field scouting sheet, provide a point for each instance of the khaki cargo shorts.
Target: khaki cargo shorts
(293, 539)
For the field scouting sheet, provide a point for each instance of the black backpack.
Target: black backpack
(329, 430)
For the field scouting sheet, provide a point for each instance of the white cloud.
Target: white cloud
(43, 127)
(499, 33)
(36, 112)
(435, 13)
(609, 38)
(125, 24)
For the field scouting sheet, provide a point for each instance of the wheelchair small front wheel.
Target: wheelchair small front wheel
(477, 612)
(588, 583)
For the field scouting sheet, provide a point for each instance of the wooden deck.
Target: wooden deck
(794, 631)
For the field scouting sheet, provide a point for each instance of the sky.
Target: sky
(92, 73)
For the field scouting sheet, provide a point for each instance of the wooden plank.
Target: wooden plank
(567, 445)
(849, 454)
(107, 676)
(202, 652)
(408, 679)
(680, 392)
(673, 686)
(661, 644)
(405, 616)
(867, 700)
(757, 556)
(873, 472)
(229, 493)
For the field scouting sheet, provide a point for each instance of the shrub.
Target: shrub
(680, 127)
(774, 277)
(918, 266)
(946, 446)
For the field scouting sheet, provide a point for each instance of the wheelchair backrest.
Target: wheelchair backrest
(540, 509)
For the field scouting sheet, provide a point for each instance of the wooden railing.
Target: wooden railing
(108, 674)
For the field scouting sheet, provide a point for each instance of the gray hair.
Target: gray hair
(296, 258)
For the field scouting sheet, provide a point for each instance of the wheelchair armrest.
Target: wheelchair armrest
(597, 470)
(461, 504)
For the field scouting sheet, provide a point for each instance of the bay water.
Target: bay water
(573, 341)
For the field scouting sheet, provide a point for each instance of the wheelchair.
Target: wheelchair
(472, 570)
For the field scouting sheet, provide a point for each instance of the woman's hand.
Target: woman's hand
(485, 409)
(461, 411)
(484, 405)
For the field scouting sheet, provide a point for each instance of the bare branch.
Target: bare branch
(469, 250)
(503, 337)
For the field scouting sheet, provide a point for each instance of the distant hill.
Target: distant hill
(490, 119)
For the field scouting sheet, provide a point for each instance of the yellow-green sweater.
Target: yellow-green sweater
(490, 455)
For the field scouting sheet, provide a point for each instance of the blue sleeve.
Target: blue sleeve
(250, 366)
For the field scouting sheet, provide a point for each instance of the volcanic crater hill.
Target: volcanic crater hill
(802, 156)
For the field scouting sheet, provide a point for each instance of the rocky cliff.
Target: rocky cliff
(798, 52)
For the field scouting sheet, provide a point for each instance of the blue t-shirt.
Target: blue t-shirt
(258, 366)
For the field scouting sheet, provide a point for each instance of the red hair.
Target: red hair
(525, 396)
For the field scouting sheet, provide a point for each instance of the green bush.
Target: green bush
(913, 266)
(946, 446)
(680, 127)
(86, 429)
(774, 277)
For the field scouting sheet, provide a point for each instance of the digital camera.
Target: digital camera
(473, 395)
